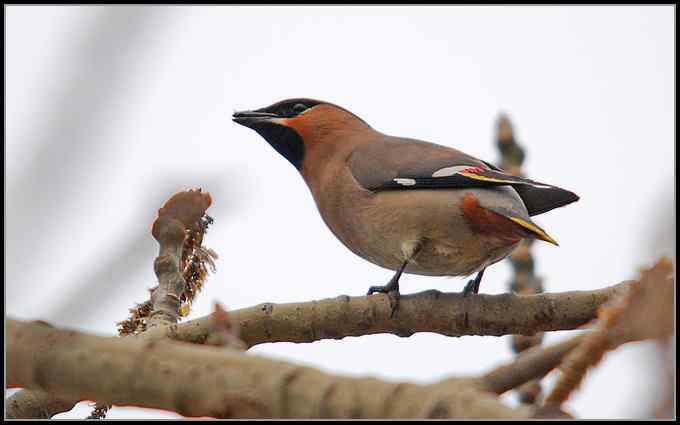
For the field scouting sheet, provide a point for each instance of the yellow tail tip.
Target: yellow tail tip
(547, 238)
(537, 231)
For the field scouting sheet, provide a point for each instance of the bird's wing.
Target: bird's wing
(407, 164)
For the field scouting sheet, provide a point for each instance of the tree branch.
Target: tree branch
(644, 311)
(179, 214)
(180, 269)
(529, 365)
(36, 405)
(220, 382)
(430, 311)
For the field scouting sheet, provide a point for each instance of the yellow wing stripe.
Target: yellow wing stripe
(487, 179)
(538, 232)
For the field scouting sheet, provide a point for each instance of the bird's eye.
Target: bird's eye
(299, 107)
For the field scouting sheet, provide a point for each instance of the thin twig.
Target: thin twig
(179, 214)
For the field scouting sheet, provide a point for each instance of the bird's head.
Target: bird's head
(294, 125)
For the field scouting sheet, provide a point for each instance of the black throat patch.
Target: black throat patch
(285, 140)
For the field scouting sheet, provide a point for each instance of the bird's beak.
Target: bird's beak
(249, 118)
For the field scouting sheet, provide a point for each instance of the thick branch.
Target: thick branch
(213, 381)
(36, 405)
(430, 311)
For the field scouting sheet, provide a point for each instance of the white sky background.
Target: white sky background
(110, 110)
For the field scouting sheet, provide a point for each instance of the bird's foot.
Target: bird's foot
(472, 287)
(393, 295)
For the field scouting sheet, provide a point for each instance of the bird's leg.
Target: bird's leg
(392, 287)
(473, 285)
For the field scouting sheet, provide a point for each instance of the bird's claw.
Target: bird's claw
(373, 289)
(394, 297)
(392, 294)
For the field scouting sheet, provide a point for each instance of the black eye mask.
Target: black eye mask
(289, 108)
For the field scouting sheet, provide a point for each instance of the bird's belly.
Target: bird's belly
(443, 258)
(443, 252)
(383, 226)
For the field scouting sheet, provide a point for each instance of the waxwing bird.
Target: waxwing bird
(404, 204)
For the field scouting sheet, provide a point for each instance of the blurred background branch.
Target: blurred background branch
(644, 311)
(524, 280)
(64, 148)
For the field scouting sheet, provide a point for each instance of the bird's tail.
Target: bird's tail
(501, 222)
(534, 230)
(543, 199)
(526, 225)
